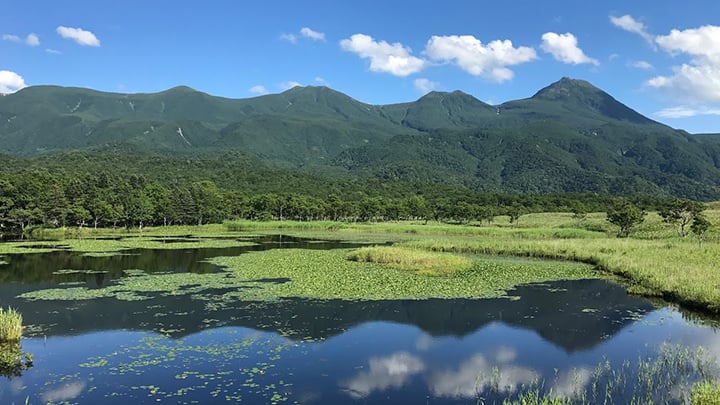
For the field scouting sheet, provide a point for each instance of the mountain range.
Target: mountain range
(568, 137)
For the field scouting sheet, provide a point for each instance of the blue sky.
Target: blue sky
(659, 57)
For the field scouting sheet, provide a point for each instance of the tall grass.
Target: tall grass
(678, 270)
(705, 393)
(10, 325)
(419, 261)
(676, 374)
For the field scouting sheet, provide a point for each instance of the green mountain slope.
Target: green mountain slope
(437, 110)
(569, 136)
(298, 126)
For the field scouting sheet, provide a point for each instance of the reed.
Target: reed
(10, 325)
(705, 393)
(419, 261)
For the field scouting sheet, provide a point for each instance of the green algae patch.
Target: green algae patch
(138, 285)
(330, 275)
(241, 368)
(321, 274)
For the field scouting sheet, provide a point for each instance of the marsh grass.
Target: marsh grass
(676, 269)
(418, 261)
(674, 374)
(705, 393)
(10, 325)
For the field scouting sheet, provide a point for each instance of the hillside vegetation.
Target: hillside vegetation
(568, 137)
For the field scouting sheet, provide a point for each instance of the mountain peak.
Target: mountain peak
(457, 96)
(312, 90)
(180, 89)
(578, 94)
(567, 88)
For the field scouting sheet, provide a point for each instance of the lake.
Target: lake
(583, 340)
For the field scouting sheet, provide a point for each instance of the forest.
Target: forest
(103, 190)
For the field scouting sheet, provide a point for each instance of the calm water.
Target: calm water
(555, 337)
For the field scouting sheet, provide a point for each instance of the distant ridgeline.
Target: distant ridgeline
(569, 137)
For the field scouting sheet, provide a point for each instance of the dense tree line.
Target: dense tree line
(37, 197)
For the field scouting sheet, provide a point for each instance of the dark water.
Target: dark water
(556, 338)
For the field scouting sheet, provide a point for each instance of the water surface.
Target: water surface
(555, 337)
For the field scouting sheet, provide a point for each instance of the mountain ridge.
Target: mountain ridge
(568, 136)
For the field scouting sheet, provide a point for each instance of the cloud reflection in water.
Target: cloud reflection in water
(384, 372)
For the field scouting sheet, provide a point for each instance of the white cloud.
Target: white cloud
(479, 373)
(258, 90)
(641, 64)
(314, 35)
(384, 372)
(10, 82)
(572, 384)
(425, 86)
(11, 38)
(289, 85)
(64, 393)
(564, 47)
(305, 32)
(79, 35)
(628, 23)
(32, 39)
(478, 59)
(52, 51)
(703, 41)
(395, 58)
(686, 112)
(699, 80)
(319, 80)
(292, 38)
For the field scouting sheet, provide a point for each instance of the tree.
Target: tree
(209, 202)
(485, 213)
(370, 208)
(335, 204)
(161, 199)
(417, 207)
(699, 227)
(514, 212)
(462, 212)
(101, 210)
(681, 213)
(626, 215)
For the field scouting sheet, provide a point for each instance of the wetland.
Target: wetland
(265, 317)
